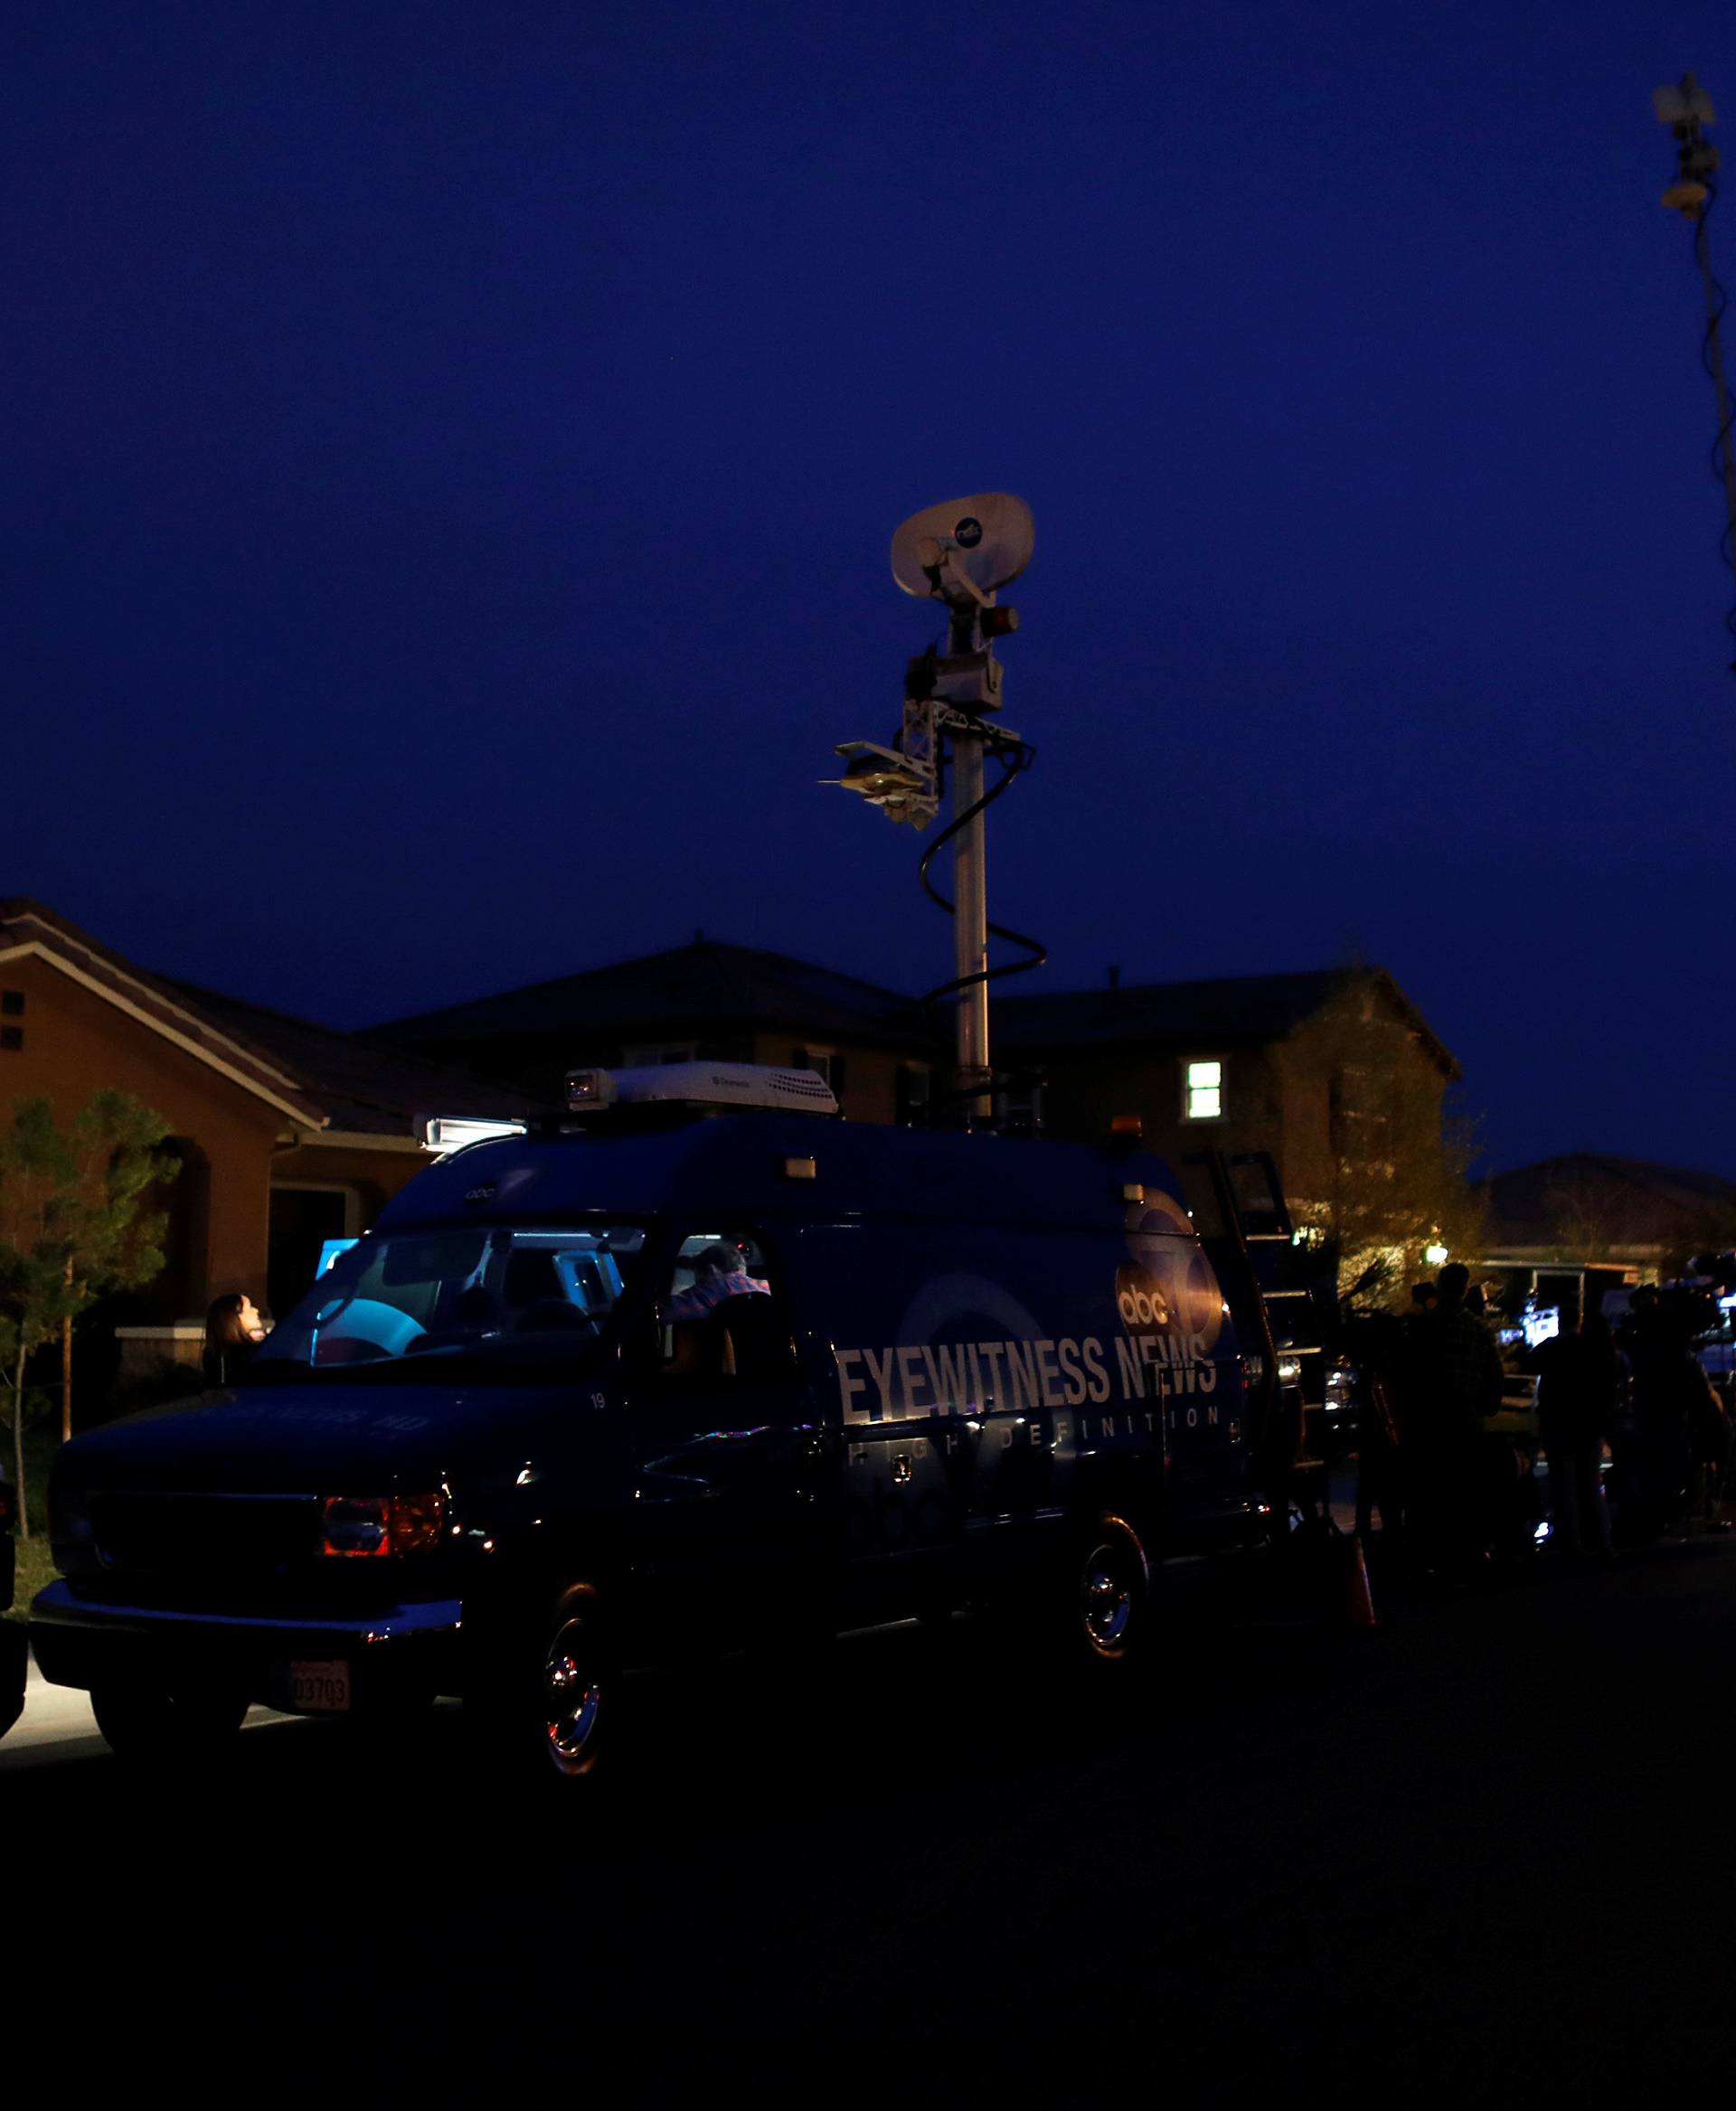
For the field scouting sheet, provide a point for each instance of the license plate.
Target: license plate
(318, 1687)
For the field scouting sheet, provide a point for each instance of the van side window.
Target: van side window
(721, 1315)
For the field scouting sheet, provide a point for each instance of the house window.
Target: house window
(1203, 1088)
(645, 1053)
(1356, 1108)
(12, 1004)
(12, 1037)
(825, 1063)
(1018, 1107)
(915, 1086)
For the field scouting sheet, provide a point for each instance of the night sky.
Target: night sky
(451, 453)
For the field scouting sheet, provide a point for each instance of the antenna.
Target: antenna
(961, 553)
(1687, 109)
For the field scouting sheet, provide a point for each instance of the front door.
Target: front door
(302, 1220)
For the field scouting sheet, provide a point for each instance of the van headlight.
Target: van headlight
(364, 1526)
(69, 1521)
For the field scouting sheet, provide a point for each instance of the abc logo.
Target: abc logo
(1188, 1300)
(1139, 1298)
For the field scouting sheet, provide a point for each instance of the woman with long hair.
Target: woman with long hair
(233, 1329)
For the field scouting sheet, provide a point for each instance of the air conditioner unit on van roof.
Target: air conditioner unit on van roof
(700, 1085)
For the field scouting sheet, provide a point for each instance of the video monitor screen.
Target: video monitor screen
(1541, 1325)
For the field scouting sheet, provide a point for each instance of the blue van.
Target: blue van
(686, 1370)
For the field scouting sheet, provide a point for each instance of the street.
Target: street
(1487, 1844)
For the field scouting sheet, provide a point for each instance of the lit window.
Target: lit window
(1204, 1094)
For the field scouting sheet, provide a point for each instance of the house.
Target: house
(287, 1134)
(1309, 1066)
(1314, 1067)
(290, 1133)
(875, 1047)
(1587, 1208)
(1565, 1231)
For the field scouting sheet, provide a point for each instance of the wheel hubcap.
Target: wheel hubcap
(572, 1699)
(1106, 1600)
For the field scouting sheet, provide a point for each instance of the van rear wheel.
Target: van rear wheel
(1112, 1602)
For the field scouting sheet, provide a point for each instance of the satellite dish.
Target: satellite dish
(1684, 105)
(990, 537)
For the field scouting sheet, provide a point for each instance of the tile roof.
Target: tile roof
(1243, 1007)
(1621, 1201)
(315, 1075)
(364, 1085)
(707, 983)
(26, 923)
(710, 982)
(1226, 1011)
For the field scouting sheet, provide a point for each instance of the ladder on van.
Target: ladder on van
(1282, 1284)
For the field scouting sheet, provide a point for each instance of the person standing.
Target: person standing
(720, 1272)
(1665, 1390)
(1456, 1382)
(1578, 1378)
(233, 1330)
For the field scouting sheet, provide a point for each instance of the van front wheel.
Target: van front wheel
(576, 1685)
(1112, 1592)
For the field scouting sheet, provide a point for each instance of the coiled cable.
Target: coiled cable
(1015, 756)
(1712, 359)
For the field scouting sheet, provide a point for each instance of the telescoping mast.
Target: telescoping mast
(961, 554)
(1687, 109)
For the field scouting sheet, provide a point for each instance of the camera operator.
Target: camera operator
(1676, 1434)
(1579, 1382)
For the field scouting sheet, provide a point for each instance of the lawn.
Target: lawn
(35, 1566)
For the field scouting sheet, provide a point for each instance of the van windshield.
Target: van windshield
(487, 1302)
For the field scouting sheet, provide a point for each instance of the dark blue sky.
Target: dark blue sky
(451, 453)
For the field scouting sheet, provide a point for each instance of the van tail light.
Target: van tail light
(368, 1525)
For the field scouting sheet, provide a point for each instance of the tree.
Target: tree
(75, 1224)
(1392, 1180)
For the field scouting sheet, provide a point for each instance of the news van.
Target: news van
(693, 1365)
